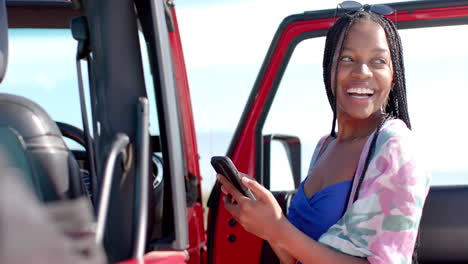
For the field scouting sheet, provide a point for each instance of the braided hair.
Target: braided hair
(396, 105)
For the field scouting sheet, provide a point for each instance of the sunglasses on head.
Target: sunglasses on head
(353, 6)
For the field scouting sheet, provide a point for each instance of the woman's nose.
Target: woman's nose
(361, 70)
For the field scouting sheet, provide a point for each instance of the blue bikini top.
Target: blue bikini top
(316, 214)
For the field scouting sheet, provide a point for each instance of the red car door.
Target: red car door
(228, 242)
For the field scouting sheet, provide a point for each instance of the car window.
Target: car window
(437, 77)
(436, 89)
(154, 125)
(300, 108)
(42, 67)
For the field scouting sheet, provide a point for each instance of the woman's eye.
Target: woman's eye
(346, 59)
(380, 61)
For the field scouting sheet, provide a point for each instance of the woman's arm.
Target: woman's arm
(283, 255)
(264, 218)
(305, 249)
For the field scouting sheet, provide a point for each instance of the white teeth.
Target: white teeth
(360, 91)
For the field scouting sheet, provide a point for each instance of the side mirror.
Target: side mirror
(292, 144)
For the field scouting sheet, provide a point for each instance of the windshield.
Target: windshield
(41, 67)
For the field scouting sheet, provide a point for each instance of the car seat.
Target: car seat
(31, 141)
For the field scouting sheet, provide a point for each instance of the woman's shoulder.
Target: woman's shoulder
(323, 139)
(389, 203)
(317, 150)
(395, 127)
(394, 131)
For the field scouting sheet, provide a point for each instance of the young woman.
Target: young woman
(362, 200)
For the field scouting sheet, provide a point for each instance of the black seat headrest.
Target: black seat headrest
(3, 39)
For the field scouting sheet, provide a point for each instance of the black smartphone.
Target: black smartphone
(223, 165)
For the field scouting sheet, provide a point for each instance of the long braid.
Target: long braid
(328, 59)
(331, 42)
(396, 107)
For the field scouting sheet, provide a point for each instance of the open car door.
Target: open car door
(302, 106)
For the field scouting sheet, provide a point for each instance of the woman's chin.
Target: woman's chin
(361, 115)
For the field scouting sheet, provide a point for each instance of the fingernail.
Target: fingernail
(223, 190)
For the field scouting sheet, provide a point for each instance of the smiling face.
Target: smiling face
(365, 72)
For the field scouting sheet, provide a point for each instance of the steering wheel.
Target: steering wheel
(78, 136)
(73, 133)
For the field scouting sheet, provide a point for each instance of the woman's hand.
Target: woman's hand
(262, 217)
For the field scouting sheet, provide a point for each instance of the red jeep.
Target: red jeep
(133, 151)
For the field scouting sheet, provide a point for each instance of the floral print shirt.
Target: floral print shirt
(382, 224)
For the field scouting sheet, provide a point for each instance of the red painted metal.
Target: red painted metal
(433, 13)
(247, 248)
(186, 113)
(197, 236)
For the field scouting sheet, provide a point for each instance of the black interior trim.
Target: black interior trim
(40, 14)
(444, 226)
(113, 30)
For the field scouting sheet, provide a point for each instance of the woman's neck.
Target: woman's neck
(351, 129)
